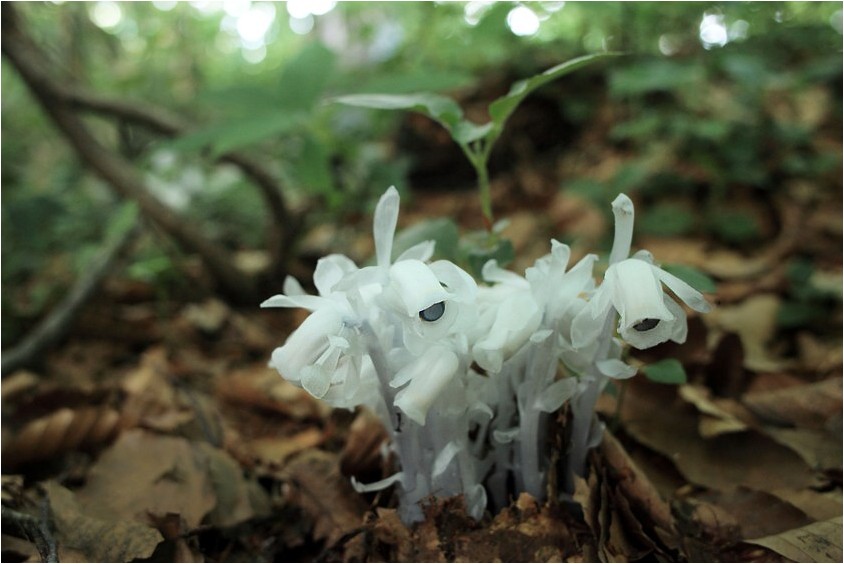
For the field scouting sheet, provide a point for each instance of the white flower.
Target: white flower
(509, 316)
(647, 315)
(316, 353)
(425, 378)
(431, 301)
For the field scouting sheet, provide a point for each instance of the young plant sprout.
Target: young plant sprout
(463, 376)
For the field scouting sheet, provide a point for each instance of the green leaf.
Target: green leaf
(501, 108)
(303, 80)
(312, 168)
(439, 108)
(692, 276)
(233, 134)
(666, 371)
(443, 231)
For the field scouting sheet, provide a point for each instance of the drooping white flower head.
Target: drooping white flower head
(648, 316)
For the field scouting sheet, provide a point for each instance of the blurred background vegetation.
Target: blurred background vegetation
(716, 105)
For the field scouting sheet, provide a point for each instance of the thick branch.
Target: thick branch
(281, 226)
(114, 169)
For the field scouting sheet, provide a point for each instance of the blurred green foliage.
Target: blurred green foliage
(713, 98)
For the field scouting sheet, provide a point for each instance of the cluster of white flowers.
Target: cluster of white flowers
(464, 376)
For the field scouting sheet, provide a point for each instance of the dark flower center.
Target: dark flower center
(646, 324)
(433, 312)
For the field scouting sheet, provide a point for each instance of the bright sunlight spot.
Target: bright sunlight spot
(106, 15)
(302, 26)
(523, 21)
(713, 32)
(253, 25)
(473, 11)
(164, 5)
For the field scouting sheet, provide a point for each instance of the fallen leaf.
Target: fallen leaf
(714, 419)
(276, 450)
(261, 387)
(753, 512)
(656, 418)
(820, 449)
(819, 506)
(98, 538)
(755, 322)
(144, 474)
(238, 499)
(810, 406)
(60, 432)
(327, 497)
(817, 542)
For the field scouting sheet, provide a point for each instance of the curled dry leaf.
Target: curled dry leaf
(60, 432)
(628, 518)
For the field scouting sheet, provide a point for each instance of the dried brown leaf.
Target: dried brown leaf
(362, 453)
(821, 450)
(98, 538)
(817, 542)
(715, 419)
(810, 406)
(327, 497)
(755, 322)
(144, 474)
(276, 450)
(151, 399)
(819, 506)
(60, 432)
(261, 387)
(654, 416)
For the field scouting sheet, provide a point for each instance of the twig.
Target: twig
(38, 530)
(55, 326)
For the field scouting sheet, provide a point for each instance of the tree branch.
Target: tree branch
(114, 169)
(282, 224)
(55, 326)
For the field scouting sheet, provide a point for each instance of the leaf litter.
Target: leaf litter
(174, 441)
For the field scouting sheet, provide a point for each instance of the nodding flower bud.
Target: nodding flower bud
(648, 316)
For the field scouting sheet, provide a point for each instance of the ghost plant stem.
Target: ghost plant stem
(583, 405)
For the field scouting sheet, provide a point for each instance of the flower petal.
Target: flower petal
(692, 297)
(432, 373)
(384, 225)
(415, 286)
(421, 251)
(615, 368)
(330, 270)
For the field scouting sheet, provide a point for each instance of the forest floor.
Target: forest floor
(158, 432)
